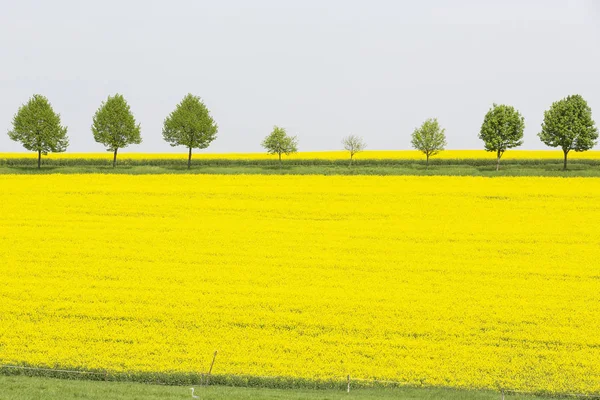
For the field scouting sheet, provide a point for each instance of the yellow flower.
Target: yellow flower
(324, 155)
(451, 281)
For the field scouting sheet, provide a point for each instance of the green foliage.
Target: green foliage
(591, 165)
(502, 129)
(38, 127)
(190, 125)
(568, 124)
(429, 139)
(114, 125)
(380, 167)
(278, 142)
(353, 144)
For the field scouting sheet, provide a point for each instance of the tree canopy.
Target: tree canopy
(190, 125)
(568, 124)
(429, 138)
(353, 144)
(279, 142)
(38, 128)
(114, 125)
(502, 129)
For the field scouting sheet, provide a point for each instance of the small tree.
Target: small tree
(502, 129)
(278, 142)
(114, 125)
(190, 125)
(38, 128)
(429, 138)
(568, 124)
(353, 144)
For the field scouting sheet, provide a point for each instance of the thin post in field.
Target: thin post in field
(212, 363)
(348, 390)
(211, 367)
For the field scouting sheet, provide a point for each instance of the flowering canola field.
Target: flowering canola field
(454, 281)
(326, 155)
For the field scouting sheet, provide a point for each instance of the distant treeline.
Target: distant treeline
(567, 125)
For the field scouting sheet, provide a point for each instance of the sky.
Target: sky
(323, 69)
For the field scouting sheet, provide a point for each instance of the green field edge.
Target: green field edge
(29, 161)
(457, 167)
(28, 388)
(263, 382)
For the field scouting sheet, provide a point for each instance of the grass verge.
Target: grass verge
(582, 168)
(29, 388)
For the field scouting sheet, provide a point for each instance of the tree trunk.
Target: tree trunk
(498, 160)
(190, 158)
(115, 158)
(39, 159)
(280, 163)
(351, 156)
(427, 162)
(565, 160)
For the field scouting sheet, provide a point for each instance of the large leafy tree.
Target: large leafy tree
(353, 144)
(38, 128)
(502, 129)
(429, 138)
(279, 142)
(568, 124)
(190, 125)
(114, 125)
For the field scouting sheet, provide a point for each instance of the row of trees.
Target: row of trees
(568, 124)
(38, 128)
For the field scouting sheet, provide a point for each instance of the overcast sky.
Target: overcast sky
(320, 68)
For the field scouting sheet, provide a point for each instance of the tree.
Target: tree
(568, 124)
(353, 144)
(190, 125)
(38, 128)
(114, 125)
(502, 129)
(278, 142)
(429, 138)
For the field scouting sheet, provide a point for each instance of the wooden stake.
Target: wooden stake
(213, 363)
(348, 383)
(502, 394)
(211, 367)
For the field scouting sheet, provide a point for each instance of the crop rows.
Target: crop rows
(448, 281)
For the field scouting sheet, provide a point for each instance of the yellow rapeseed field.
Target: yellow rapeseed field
(452, 281)
(327, 155)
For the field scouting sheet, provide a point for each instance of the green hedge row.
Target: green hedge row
(199, 379)
(306, 162)
(192, 378)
